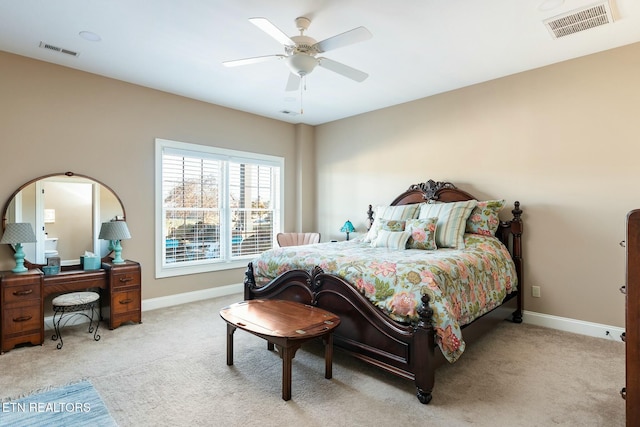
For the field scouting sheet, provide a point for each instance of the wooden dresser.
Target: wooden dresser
(632, 319)
(21, 314)
(22, 296)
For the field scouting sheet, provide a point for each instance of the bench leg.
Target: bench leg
(230, 331)
(328, 356)
(287, 357)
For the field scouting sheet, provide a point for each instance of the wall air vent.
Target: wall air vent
(58, 49)
(579, 20)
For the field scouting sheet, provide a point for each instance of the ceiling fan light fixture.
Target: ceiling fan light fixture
(301, 64)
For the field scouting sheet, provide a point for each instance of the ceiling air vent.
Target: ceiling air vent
(579, 20)
(58, 49)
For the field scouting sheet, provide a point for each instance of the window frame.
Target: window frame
(197, 150)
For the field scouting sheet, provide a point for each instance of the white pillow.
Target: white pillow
(452, 220)
(391, 239)
(390, 212)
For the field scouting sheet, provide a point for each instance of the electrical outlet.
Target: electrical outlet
(535, 291)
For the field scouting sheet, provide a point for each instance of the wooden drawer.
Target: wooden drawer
(21, 319)
(125, 307)
(16, 294)
(122, 302)
(124, 279)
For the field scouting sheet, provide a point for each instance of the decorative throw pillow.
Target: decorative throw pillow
(390, 212)
(391, 239)
(452, 221)
(392, 224)
(423, 233)
(484, 217)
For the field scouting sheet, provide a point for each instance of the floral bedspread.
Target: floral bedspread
(462, 284)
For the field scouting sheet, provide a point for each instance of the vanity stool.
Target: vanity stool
(75, 303)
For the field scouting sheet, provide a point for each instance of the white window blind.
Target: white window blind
(216, 206)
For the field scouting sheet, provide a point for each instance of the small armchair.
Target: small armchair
(297, 239)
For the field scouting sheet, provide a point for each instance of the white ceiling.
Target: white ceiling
(419, 47)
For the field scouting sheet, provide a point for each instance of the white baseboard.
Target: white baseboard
(566, 324)
(177, 299)
(162, 302)
(538, 319)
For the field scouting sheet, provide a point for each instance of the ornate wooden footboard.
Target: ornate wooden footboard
(406, 350)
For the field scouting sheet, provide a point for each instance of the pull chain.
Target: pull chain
(303, 87)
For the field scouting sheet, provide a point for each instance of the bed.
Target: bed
(409, 310)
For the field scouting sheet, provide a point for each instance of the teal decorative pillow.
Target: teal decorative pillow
(391, 239)
(392, 224)
(390, 212)
(484, 218)
(423, 233)
(452, 221)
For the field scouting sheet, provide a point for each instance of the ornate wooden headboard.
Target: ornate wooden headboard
(425, 191)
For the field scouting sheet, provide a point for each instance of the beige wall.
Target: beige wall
(563, 140)
(55, 119)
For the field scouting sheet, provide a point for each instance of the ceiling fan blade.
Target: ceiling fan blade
(293, 83)
(344, 39)
(265, 25)
(254, 60)
(342, 69)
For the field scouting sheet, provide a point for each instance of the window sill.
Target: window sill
(201, 268)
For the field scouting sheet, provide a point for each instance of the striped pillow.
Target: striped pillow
(390, 212)
(391, 239)
(452, 220)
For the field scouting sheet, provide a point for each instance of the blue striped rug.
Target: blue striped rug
(73, 405)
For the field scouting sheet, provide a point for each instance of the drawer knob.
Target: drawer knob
(623, 289)
(22, 318)
(126, 301)
(623, 243)
(126, 279)
(623, 393)
(23, 293)
(623, 337)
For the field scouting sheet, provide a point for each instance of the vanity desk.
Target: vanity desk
(22, 296)
(65, 211)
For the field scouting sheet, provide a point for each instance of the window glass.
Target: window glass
(217, 208)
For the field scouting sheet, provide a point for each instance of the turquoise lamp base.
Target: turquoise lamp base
(117, 250)
(19, 257)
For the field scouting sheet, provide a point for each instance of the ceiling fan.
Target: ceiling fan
(301, 52)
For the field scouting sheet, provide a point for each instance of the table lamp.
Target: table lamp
(347, 228)
(114, 231)
(18, 233)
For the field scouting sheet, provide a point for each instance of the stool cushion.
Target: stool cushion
(75, 298)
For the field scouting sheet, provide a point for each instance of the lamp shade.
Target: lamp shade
(348, 227)
(114, 230)
(18, 232)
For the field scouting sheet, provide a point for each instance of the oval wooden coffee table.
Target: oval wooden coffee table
(284, 324)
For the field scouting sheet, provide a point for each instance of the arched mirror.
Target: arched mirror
(65, 211)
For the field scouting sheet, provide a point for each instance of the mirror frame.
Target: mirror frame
(30, 264)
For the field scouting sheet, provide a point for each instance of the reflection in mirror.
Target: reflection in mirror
(66, 211)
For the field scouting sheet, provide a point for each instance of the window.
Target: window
(215, 208)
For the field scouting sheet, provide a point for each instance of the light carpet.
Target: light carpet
(171, 371)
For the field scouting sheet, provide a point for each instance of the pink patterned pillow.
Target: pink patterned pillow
(423, 233)
(484, 218)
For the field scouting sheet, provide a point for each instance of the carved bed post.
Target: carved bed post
(370, 217)
(249, 282)
(423, 349)
(516, 231)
